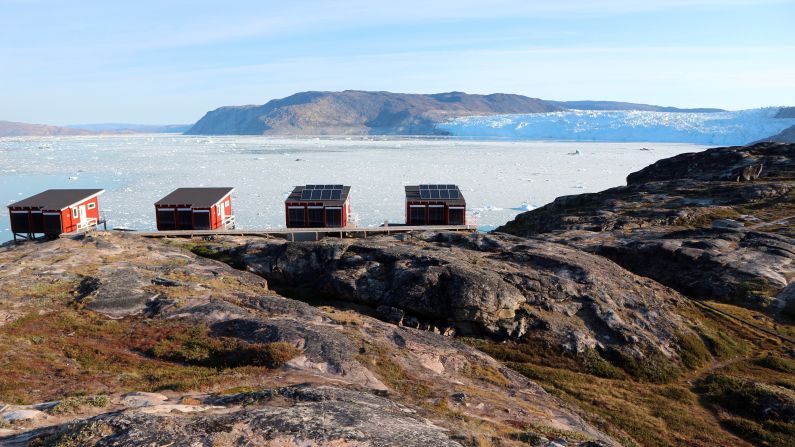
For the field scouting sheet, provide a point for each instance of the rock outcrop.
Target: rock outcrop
(715, 224)
(290, 416)
(497, 286)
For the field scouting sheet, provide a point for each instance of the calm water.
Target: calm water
(498, 178)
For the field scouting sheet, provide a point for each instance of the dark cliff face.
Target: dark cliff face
(360, 113)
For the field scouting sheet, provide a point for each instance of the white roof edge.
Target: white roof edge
(231, 190)
(96, 194)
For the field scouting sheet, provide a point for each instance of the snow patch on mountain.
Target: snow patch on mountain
(718, 129)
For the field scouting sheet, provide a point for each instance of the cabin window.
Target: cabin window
(295, 217)
(185, 219)
(436, 215)
(218, 211)
(52, 224)
(92, 205)
(37, 222)
(456, 216)
(315, 215)
(19, 222)
(75, 214)
(417, 215)
(334, 217)
(226, 204)
(166, 219)
(201, 220)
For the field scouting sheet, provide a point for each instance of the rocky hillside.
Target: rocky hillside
(112, 315)
(14, 129)
(359, 113)
(656, 314)
(716, 224)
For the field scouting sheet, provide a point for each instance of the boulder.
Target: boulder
(141, 399)
(23, 415)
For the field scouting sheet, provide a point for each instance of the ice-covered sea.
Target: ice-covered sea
(498, 178)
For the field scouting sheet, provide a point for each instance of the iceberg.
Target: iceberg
(715, 128)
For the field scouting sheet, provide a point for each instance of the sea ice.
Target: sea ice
(136, 171)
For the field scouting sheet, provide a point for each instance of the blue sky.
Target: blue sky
(65, 62)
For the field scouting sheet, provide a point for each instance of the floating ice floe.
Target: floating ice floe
(524, 207)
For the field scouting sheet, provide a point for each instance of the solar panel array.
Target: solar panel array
(439, 192)
(322, 192)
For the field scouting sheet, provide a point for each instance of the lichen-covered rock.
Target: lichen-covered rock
(295, 416)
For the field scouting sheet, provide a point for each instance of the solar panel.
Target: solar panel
(454, 194)
(425, 194)
(434, 193)
(322, 192)
(444, 193)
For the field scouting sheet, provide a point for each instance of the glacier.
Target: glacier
(715, 129)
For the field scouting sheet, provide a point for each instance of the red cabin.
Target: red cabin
(195, 209)
(318, 206)
(435, 205)
(54, 212)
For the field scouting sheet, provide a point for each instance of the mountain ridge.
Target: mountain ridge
(356, 112)
(17, 129)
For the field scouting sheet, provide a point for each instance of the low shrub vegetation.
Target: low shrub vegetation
(93, 355)
(193, 345)
(777, 363)
(71, 405)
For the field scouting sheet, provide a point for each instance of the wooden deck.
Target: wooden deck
(293, 234)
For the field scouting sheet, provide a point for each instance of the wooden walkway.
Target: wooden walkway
(295, 234)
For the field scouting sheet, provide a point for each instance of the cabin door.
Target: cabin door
(82, 213)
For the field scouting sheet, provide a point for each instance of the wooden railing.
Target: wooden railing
(89, 222)
(228, 223)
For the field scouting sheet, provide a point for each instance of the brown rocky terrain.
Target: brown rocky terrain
(112, 314)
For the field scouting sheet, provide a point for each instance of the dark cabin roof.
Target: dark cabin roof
(195, 197)
(56, 199)
(329, 195)
(449, 194)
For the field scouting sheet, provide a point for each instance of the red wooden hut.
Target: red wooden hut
(318, 206)
(195, 209)
(54, 212)
(435, 205)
